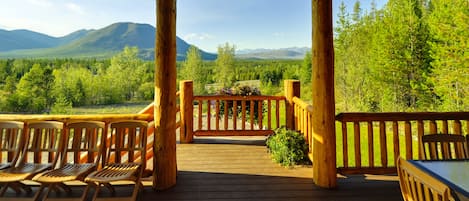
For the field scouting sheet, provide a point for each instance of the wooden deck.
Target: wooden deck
(231, 169)
(241, 169)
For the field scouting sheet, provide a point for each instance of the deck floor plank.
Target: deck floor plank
(232, 169)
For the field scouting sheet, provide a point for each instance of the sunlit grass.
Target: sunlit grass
(127, 108)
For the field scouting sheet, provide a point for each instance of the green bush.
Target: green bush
(288, 147)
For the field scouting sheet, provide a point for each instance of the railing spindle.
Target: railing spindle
(209, 115)
(383, 143)
(217, 115)
(259, 113)
(225, 121)
(420, 132)
(457, 127)
(251, 114)
(235, 114)
(269, 111)
(356, 132)
(345, 143)
(243, 114)
(408, 140)
(200, 115)
(371, 159)
(277, 113)
(395, 131)
(445, 126)
(433, 127)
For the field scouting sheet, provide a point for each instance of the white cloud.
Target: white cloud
(198, 36)
(41, 3)
(75, 8)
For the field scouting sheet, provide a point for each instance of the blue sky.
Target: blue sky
(248, 24)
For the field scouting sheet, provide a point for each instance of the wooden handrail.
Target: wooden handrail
(238, 98)
(67, 118)
(401, 116)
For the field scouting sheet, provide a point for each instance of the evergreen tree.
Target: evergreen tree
(449, 25)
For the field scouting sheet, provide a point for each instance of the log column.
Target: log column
(186, 134)
(324, 141)
(165, 168)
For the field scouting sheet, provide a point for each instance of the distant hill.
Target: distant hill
(283, 53)
(101, 43)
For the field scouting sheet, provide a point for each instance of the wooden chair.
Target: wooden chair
(417, 185)
(124, 161)
(43, 141)
(80, 156)
(444, 147)
(11, 139)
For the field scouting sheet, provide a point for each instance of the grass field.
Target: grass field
(127, 108)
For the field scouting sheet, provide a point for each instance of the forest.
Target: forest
(411, 55)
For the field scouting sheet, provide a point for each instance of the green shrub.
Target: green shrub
(288, 147)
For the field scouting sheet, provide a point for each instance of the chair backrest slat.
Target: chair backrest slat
(128, 142)
(444, 147)
(12, 139)
(83, 142)
(43, 138)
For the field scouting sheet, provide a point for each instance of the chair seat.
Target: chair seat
(22, 172)
(114, 172)
(4, 165)
(68, 172)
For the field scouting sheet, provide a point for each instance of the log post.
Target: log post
(292, 89)
(187, 111)
(164, 150)
(324, 140)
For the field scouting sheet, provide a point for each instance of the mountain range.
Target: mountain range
(282, 53)
(107, 41)
(101, 43)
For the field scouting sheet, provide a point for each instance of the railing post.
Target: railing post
(187, 111)
(292, 89)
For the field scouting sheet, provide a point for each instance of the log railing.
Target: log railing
(229, 115)
(303, 115)
(371, 142)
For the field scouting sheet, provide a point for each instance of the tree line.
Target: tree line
(55, 85)
(411, 55)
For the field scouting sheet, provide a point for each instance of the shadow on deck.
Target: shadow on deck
(241, 169)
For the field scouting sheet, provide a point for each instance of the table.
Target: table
(453, 173)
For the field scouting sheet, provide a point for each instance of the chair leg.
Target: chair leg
(39, 192)
(64, 187)
(111, 188)
(137, 187)
(3, 189)
(98, 187)
(85, 192)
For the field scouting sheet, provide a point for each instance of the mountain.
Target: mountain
(283, 53)
(101, 43)
(24, 39)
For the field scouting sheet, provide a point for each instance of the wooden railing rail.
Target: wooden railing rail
(303, 114)
(372, 142)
